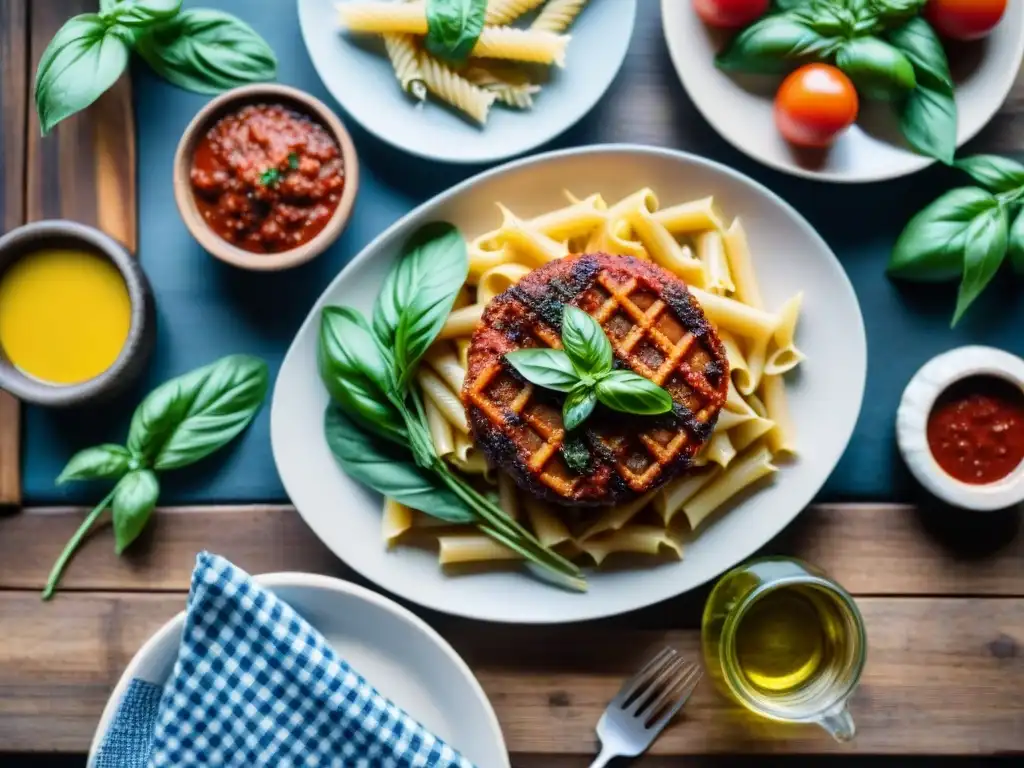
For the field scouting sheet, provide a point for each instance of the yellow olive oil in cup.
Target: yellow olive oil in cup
(64, 315)
(786, 642)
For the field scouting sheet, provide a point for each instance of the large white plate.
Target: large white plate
(402, 657)
(358, 74)
(869, 151)
(825, 398)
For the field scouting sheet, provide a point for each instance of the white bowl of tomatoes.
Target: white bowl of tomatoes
(846, 90)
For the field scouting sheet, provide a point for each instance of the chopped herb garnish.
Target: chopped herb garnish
(270, 177)
(293, 161)
(577, 454)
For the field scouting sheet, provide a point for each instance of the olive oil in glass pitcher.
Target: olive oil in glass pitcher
(786, 642)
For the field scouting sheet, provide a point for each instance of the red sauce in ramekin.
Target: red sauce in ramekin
(266, 178)
(976, 429)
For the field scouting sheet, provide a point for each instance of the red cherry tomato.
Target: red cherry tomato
(964, 19)
(730, 13)
(814, 105)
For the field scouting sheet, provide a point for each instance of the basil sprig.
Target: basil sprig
(177, 424)
(197, 49)
(968, 232)
(376, 426)
(453, 27)
(584, 370)
(884, 46)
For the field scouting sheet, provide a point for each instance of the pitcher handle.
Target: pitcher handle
(839, 723)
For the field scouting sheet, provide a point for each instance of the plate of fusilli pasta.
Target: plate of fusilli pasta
(468, 82)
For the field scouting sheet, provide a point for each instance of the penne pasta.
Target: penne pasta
(614, 518)
(396, 520)
(664, 250)
(711, 253)
(472, 548)
(691, 217)
(382, 17)
(670, 499)
(440, 429)
(720, 450)
(487, 252)
(782, 437)
(612, 237)
(644, 199)
(461, 322)
(639, 539)
(737, 360)
(446, 364)
(462, 348)
(743, 472)
(545, 523)
(785, 357)
(734, 316)
(446, 401)
(737, 252)
(746, 433)
(467, 458)
(508, 495)
(534, 45)
(498, 280)
(536, 247)
(730, 420)
(755, 366)
(736, 403)
(575, 220)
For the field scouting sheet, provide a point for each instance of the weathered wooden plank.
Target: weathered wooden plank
(943, 677)
(85, 170)
(872, 549)
(14, 96)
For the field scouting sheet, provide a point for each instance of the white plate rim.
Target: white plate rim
(592, 612)
(315, 581)
(914, 164)
(584, 107)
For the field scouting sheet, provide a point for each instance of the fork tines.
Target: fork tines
(659, 690)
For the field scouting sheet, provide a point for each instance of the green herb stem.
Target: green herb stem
(72, 545)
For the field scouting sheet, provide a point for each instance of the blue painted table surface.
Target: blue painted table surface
(207, 309)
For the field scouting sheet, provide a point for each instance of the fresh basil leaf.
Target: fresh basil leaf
(101, 462)
(931, 247)
(134, 500)
(1015, 244)
(82, 61)
(630, 392)
(994, 173)
(878, 69)
(388, 473)
(775, 44)
(928, 121)
(139, 13)
(829, 19)
(356, 372)
(207, 51)
(548, 368)
(788, 5)
(585, 342)
(896, 11)
(578, 406)
(576, 454)
(918, 41)
(419, 292)
(986, 249)
(453, 27)
(190, 417)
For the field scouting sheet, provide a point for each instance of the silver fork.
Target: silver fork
(644, 705)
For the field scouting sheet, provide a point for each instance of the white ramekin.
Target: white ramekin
(934, 378)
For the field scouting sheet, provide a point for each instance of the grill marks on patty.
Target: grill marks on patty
(657, 329)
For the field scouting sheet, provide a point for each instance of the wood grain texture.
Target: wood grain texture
(85, 169)
(943, 677)
(873, 549)
(14, 96)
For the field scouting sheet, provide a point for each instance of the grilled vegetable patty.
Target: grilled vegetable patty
(656, 328)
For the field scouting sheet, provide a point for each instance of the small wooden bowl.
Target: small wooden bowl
(232, 101)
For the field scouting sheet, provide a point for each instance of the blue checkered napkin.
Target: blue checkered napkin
(255, 685)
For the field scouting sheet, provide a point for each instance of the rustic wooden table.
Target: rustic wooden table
(944, 609)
